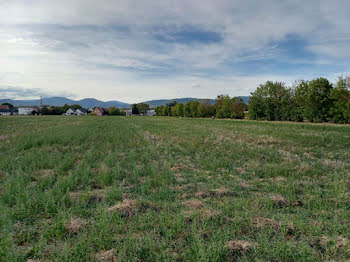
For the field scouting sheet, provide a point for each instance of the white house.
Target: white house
(70, 112)
(25, 111)
(128, 112)
(80, 112)
(151, 112)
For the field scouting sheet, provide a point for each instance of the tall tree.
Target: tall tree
(135, 110)
(313, 97)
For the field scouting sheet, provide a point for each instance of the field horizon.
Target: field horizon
(173, 189)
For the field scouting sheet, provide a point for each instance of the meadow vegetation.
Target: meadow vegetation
(173, 189)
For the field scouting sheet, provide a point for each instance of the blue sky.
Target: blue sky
(133, 51)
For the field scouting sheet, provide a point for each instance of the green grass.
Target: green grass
(189, 186)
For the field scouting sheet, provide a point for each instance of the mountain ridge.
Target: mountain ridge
(92, 102)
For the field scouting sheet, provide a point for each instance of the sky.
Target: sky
(134, 51)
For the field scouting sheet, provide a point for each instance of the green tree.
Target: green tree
(113, 111)
(135, 110)
(187, 110)
(237, 108)
(314, 100)
(270, 101)
(223, 106)
(340, 110)
(179, 109)
(206, 109)
(143, 108)
(194, 108)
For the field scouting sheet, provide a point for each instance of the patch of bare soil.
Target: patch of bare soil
(221, 192)
(179, 177)
(47, 172)
(106, 256)
(178, 167)
(75, 225)
(288, 156)
(279, 179)
(127, 208)
(201, 194)
(279, 201)
(241, 170)
(267, 141)
(333, 163)
(237, 248)
(261, 222)
(4, 137)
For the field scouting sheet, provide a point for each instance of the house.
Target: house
(70, 112)
(128, 112)
(99, 111)
(81, 111)
(5, 110)
(151, 112)
(25, 111)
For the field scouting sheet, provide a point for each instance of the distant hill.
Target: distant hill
(162, 102)
(60, 101)
(91, 102)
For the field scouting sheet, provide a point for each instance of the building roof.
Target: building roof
(83, 110)
(4, 107)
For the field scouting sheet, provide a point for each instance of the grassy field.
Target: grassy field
(168, 189)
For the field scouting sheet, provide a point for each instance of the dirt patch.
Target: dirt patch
(201, 194)
(241, 170)
(297, 203)
(341, 242)
(106, 256)
(178, 167)
(127, 208)
(237, 248)
(288, 156)
(267, 141)
(279, 201)
(179, 177)
(142, 179)
(261, 222)
(220, 192)
(75, 225)
(333, 163)
(151, 137)
(4, 137)
(47, 172)
(279, 179)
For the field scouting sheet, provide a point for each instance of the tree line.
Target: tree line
(317, 100)
(224, 107)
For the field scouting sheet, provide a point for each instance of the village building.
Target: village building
(99, 111)
(25, 111)
(151, 112)
(128, 112)
(70, 112)
(5, 110)
(81, 112)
